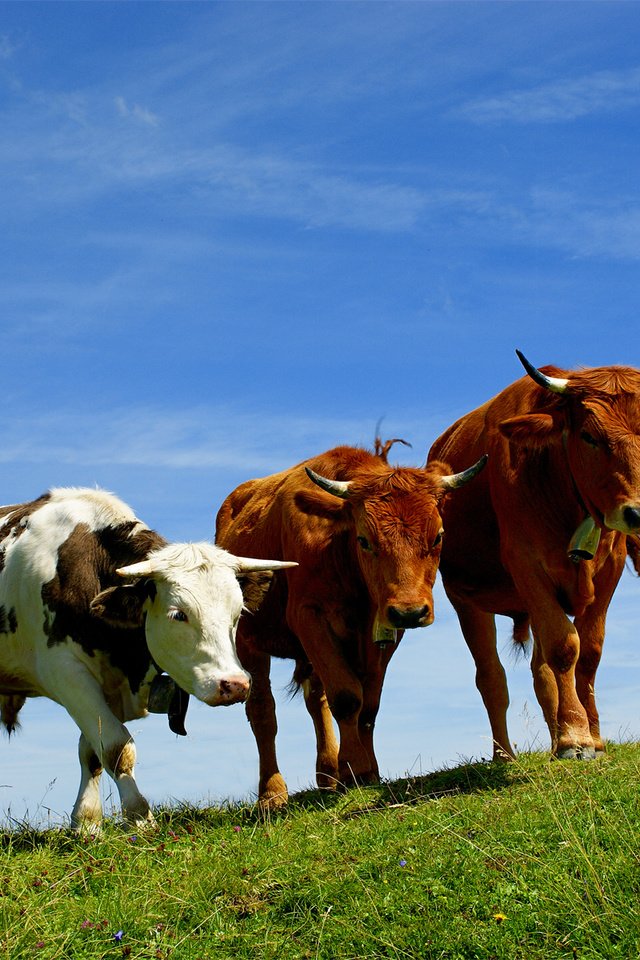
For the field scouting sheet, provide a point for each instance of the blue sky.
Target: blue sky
(233, 235)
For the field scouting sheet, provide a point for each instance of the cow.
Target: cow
(367, 538)
(94, 606)
(541, 536)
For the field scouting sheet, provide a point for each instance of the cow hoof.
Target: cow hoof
(271, 802)
(86, 829)
(357, 780)
(327, 783)
(140, 824)
(576, 753)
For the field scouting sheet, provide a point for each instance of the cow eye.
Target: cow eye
(179, 615)
(588, 439)
(438, 539)
(364, 543)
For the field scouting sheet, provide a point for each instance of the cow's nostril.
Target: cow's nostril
(408, 617)
(231, 690)
(632, 517)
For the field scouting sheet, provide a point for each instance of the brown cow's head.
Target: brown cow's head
(596, 414)
(395, 518)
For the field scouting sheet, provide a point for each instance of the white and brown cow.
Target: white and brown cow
(94, 606)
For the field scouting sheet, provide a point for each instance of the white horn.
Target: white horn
(248, 565)
(142, 569)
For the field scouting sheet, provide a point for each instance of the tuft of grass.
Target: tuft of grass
(534, 859)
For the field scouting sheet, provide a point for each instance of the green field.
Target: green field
(529, 860)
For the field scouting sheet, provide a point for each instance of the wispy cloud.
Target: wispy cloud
(136, 112)
(7, 47)
(197, 438)
(597, 227)
(607, 91)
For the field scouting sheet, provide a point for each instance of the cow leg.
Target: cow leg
(316, 703)
(87, 810)
(555, 656)
(71, 685)
(345, 697)
(479, 631)
(545, 688)
(591, 628)
(377, 661)
(343, 690)
(261, 713)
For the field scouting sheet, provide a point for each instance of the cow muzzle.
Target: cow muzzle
(234, 689)
(625, 518)
(405, 617)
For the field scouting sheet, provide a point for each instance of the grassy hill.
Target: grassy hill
(534, 859)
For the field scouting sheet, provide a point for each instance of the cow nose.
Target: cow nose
(408, 617)
(230, 690)
(632, 517)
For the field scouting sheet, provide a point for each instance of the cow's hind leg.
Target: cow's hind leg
(87, 810)
(479, 630)
(316, 703)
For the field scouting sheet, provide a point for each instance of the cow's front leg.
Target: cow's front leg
(261, 714)
(377, 661)
(87, 810)
(71, 685)
(342, 687)
(345, 698)
(556, 651)
(479, 631)
(591, 628)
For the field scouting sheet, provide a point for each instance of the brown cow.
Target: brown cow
(564, 471)
(367, 544)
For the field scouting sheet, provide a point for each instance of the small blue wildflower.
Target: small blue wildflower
(118, 936)
(403, 863)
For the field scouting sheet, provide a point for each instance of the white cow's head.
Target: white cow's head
(189, 597)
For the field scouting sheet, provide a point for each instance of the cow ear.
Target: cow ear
(120, 606)
(532, 429)
(318, 504)
(255, 587)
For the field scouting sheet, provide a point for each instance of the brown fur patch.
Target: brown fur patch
(15, 519)
(10, 707)
(121, 759)
(255, 587)
(8, 620)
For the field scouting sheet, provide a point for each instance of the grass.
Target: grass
(535, 859)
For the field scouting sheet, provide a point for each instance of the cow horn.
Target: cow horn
(241, 564)
(142, 569)
(339, 488)
(455, 480)
(555, 384)
(247, 565)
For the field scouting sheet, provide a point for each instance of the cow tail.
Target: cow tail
(301, 674)
(10, 707)
(521, 634)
